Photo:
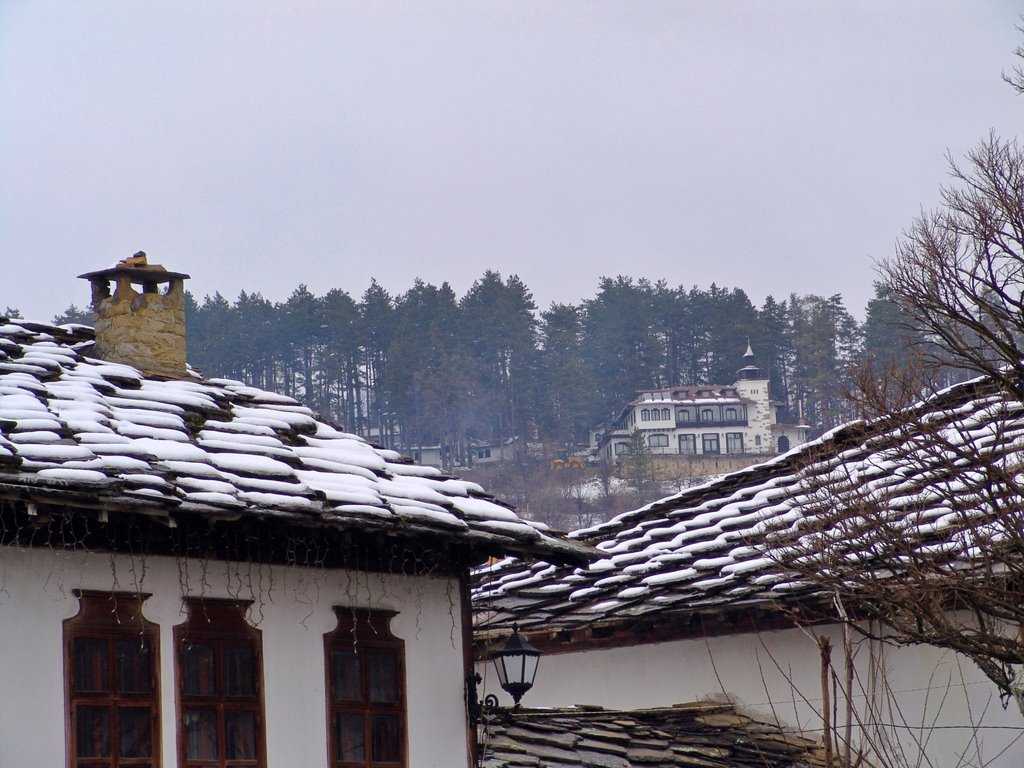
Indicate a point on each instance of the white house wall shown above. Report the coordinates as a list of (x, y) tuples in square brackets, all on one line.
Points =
[(293, 608), (777, 676)]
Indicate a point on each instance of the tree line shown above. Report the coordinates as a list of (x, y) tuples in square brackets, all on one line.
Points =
[(430, 368)]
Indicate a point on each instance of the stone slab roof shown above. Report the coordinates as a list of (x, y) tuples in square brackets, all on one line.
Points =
[(719, 549), (79, 431), (703, 735)]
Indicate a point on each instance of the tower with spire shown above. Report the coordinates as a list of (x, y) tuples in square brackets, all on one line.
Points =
[(749, 371)]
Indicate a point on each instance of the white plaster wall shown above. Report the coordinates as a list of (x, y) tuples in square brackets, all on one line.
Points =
[(777, 675), (293, 608)]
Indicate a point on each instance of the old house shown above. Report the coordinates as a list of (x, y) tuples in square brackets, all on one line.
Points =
[(194, 572), (718, 426), (717, 593)]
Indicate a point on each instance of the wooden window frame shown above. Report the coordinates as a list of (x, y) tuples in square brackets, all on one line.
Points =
[(219, 622), (111, 617), (365, 631)]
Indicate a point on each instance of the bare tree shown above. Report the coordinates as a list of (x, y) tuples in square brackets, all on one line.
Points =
[(918, 523), (920, 527), (959, 270)]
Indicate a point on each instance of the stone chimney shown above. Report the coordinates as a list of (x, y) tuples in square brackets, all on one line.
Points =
[(142, 322)]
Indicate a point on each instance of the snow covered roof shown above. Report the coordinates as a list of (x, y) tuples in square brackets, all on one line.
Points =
[(723, 549), (705, 734), (77, 431)]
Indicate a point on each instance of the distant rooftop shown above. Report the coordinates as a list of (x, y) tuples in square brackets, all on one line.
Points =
[(704, 734)]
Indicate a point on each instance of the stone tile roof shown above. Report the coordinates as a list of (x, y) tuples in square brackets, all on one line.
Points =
[(79, 431), (703, 735), (719, 548)]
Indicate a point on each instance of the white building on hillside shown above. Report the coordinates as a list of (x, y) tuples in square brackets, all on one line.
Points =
[(708, 419)]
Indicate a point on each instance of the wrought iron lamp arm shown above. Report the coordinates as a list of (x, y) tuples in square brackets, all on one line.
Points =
[(480, 710)]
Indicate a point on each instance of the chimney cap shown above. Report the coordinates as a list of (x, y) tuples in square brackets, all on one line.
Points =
[(137, 269)]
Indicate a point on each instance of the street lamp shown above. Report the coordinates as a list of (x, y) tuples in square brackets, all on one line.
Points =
[(516, 665)]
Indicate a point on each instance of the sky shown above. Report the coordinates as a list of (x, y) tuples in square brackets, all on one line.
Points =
[(775, 147)]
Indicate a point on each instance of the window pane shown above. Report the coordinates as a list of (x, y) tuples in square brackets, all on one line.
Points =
[(386, 735), (345, 678), (240, 734), (135, 732), (91, 671), (348, 738), (383, 669), (201, 734), (92, 732), (133, 666), (198, 670), (239, 670)]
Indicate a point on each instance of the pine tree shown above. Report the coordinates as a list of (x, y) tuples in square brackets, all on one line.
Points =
[(564, 378), (499, 328), (375, 332), (74, 316), (621, 343)]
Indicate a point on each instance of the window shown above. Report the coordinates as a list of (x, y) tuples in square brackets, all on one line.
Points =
[(220, 686), (711, 444), (783, 444), (112, 688), (707, 415), (730, 414), (365, 690), (657, 441), (682, 415), (483, 453), (734, 442), (645, 414), (621, 449), (666, 414), (687, 443), (757, 440)]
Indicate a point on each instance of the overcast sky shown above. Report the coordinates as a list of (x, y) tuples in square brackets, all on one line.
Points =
[(771, 146)]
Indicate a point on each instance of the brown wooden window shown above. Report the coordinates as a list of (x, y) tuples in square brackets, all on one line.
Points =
[(111, 663), (220, 687), (365, 691)]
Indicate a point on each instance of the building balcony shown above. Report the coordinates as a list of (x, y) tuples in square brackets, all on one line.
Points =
[(700, 423)]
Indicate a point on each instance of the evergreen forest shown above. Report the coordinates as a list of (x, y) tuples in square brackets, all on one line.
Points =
[(430, 368)]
